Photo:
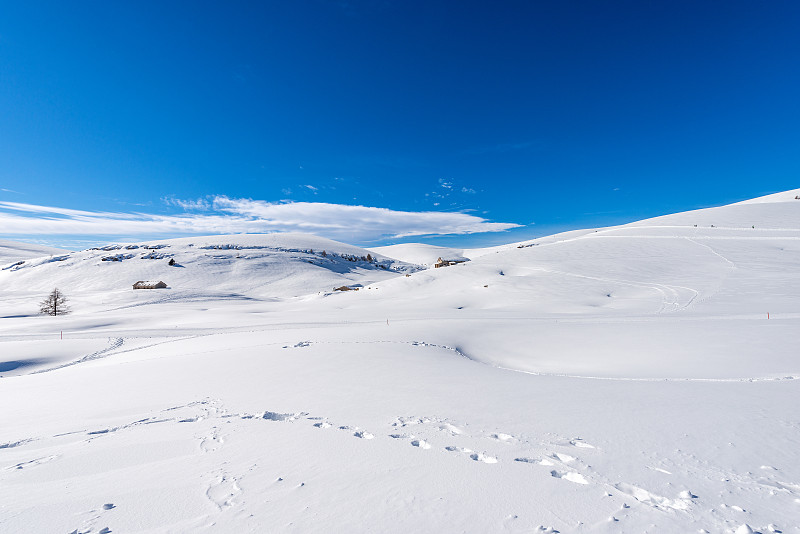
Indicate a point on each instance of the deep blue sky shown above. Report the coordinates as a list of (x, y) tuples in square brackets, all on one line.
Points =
[(562, 114)]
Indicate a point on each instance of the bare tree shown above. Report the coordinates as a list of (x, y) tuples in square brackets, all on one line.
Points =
[(54, 304)]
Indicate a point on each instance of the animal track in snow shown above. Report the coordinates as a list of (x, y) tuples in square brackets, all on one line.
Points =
[(421, 443), (323, 424), (363, 434)]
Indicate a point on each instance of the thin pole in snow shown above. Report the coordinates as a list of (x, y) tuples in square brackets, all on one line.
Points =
[(62, 334)]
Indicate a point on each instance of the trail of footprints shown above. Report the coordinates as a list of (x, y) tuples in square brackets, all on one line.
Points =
[(427, 434)]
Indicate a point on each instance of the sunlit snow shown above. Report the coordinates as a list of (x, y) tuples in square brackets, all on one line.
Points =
[(640, 378)]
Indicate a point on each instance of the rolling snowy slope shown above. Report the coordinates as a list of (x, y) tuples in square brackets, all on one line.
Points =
[(276, 265), (420, 253), (623, 379), (14, 251)]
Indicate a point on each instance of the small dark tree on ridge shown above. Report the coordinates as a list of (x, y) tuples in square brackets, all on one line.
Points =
[(54, 304)]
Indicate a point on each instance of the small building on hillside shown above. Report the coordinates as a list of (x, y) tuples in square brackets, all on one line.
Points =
[(447, 263), (149, 284), (352, 287)]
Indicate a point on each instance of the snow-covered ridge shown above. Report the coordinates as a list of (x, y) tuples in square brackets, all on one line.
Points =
[(793, 195), (274, 265)]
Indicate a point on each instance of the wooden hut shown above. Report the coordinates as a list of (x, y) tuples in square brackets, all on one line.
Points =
[(447, 263)]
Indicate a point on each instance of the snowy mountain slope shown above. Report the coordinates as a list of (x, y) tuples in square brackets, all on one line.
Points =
[(419, 253), (276, 265), (568, 303), (14, 251), (623, 379), (783, 196)]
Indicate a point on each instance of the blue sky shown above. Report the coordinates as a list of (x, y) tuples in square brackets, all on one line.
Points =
[(379, 122)]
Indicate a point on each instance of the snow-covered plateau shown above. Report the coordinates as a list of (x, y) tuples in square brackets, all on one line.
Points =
[(638, 378)]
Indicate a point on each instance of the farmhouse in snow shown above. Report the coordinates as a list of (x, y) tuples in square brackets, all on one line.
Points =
[(147, 284), (447, 263)]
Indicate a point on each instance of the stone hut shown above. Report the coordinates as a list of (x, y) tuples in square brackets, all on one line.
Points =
[(149, 284)]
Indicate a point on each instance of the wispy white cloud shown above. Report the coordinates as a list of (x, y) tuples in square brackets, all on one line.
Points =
[(200, 204), (356, 224)]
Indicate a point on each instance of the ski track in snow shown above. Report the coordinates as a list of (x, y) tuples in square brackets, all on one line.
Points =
[(116, 343), (113, 344)]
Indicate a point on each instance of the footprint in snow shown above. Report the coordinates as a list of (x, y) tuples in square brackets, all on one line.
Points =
[(474, 456), (452, 429), (222, 491), (363, 434), (211, 442), (480, 457), (421, 443), (569, 475), (274, 416), (504, 438), (323, 424), (453, 448)]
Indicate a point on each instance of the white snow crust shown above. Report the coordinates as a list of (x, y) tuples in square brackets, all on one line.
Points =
[(639, 378)]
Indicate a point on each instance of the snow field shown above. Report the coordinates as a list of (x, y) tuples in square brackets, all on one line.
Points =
[(619, 380)]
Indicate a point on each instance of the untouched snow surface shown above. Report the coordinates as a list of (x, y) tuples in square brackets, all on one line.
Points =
[(624, 379), (14, 251)]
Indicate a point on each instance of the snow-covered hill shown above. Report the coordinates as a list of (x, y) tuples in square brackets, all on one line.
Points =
[(14, 251), (420, 254), (639, 378), (274, 265)]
